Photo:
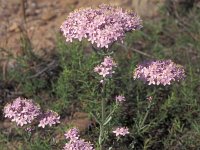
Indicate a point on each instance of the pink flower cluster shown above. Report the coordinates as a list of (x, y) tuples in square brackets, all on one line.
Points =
[(159, 72), (24, 111), (105, 69), (49, 118), (120, 99), (103, 25), (72, 134), (75, 143), (121, 131)]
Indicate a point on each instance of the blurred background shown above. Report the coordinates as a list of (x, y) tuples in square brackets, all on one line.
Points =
[(44, 17)]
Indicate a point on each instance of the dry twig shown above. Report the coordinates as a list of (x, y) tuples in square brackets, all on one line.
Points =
[(136, 50)]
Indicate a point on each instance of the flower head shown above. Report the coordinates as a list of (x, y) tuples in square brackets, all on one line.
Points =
[(102, 26), (49, 118), (75, 143), (105, 69), (121, 131), (150, 98), (120, 98), (78, 144), (159, 72), (72, 134), (22, 111)]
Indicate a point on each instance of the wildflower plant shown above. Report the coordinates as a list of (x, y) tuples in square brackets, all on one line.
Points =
[(102, 26)]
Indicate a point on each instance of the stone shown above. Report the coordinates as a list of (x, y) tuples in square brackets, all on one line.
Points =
[(147, 8), (81, 121), (48, 15)]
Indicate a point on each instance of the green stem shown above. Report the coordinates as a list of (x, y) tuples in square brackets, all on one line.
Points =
[(101, 136), (102, 129), (146, 115)]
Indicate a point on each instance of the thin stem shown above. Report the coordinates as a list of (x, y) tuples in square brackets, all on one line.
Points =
[(146, 115), (111, 113), (136, 50), (103, 110), (102, 123), (101, 136)]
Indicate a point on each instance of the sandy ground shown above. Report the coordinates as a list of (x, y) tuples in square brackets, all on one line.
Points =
[(44, 17)]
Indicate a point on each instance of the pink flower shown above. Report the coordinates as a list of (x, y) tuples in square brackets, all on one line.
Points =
[(22, 111), (102, 26), (159, 72), (150, 98), (105, 69), (121, 131), (72, 134), (49, 118), (78, 144), (120, 98), (75, 143), (29, 129)]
